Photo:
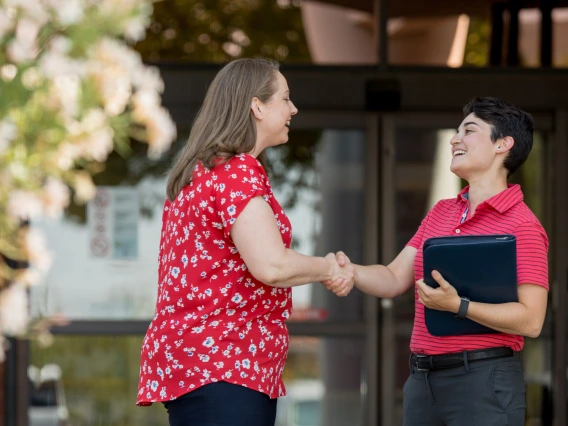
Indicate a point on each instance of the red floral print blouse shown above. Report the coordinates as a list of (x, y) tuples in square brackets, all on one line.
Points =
[(214, 321)]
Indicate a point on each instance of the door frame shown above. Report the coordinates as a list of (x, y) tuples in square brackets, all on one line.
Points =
[(557, 206)]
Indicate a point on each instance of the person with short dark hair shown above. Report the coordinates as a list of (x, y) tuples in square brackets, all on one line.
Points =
[(215, 350), (472, 380)]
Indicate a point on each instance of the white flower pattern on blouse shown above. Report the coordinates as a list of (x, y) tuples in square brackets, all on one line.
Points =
[(214, 321)]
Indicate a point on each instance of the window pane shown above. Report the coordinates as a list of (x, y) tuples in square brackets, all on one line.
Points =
[(460, 34), (105, 254), (90, 381), (538, 352), (530, 21), (290, 31), (429, 40), (318, 178), (559, 33), (423, 177), (323, 378), (105, 263), (442, 34)]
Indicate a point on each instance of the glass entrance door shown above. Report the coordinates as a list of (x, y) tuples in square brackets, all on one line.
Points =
[(415, 165), (321, 177)]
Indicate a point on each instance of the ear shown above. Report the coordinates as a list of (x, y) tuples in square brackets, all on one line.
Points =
[(256, 107), (504, 144)]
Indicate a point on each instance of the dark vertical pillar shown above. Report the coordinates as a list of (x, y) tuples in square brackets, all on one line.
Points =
[(16, 388), (513, 39), (546, 33), (559, 288), (383, 8), (3, 385), (377, 33), (10, 384), (22, 383), (496, 51)]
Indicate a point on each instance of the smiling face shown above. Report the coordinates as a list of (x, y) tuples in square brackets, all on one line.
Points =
[(473, 151), (273, 117)]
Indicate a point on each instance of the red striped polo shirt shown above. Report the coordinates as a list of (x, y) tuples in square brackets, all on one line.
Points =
[(504, 213)]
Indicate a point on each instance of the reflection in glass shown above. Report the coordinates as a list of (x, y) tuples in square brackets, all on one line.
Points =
[(537, 353), (91, 280), (530, 26), (346, 35), (100, 271), (422, 178), (47, 396), (318, 178), (340, 35), (96, 383), (339, 32), (478, 42), (323, 383), (90, 381), (430, 41), (217, 31), (559, 33)]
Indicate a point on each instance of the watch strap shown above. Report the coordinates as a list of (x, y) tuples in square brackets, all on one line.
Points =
[(462, 311)]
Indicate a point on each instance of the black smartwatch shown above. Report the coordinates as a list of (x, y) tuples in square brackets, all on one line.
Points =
[(462, 311)]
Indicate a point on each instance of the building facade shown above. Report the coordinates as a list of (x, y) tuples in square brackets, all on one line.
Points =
[(380, 88)]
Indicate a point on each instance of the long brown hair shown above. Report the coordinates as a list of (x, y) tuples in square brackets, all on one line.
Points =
[(225, 125)]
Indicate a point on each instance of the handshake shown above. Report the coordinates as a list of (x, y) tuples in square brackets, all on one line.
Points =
[(343, 274)]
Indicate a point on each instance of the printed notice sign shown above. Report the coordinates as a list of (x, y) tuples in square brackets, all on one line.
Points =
[(113, 222)]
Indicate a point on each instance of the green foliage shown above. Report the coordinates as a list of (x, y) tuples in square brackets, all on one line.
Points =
[(478, 42), (220, 30)]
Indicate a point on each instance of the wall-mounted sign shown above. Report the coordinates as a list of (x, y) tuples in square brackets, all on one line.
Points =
[(113, 223)]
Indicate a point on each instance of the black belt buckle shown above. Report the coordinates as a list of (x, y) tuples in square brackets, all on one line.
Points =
[(418, 364)]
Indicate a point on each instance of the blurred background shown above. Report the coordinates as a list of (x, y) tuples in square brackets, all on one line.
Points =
[(379, 86)]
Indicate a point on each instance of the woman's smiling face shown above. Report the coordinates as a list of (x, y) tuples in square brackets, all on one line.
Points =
[(276, 115), (473, 150)]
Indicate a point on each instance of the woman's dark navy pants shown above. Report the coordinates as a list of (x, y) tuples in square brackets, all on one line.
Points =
[(222, 404)]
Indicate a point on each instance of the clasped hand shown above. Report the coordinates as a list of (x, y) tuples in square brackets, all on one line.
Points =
[(343, 275), (443, 298)]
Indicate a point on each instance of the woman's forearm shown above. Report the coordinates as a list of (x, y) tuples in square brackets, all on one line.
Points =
[(292, 269), (512, 318), (524, 317), (378, 280), (258, 240), (388, 281)]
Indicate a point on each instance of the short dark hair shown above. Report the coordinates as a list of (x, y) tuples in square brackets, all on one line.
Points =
[(505, 120)]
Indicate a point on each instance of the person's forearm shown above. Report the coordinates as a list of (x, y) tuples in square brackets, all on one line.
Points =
[(378, 280), (292, 269), (512, 318)]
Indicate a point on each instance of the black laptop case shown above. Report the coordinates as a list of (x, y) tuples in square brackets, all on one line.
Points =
[(482, 268)]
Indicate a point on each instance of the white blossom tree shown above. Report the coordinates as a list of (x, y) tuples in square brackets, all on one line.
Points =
[(72, 89)]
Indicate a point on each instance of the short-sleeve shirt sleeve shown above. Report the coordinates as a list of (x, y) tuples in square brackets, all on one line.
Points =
[(239, 180), (532, 254), (416, 241)]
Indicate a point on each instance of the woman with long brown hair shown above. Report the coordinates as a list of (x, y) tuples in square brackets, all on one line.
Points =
[(215, 350)]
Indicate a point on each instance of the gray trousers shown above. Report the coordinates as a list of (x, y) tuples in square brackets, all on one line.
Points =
[(485, 393)]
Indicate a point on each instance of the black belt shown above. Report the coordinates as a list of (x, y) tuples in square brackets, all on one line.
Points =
[(438, 362)]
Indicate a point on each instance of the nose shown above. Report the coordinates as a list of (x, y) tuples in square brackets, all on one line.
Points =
[(455, 140), (293, 109)]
